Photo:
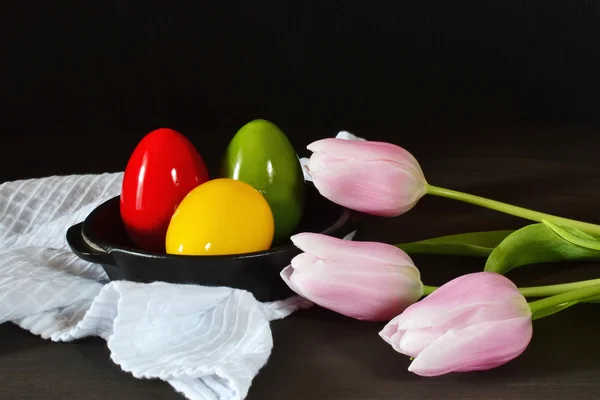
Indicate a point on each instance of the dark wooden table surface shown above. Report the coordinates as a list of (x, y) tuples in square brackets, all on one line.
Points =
[(321, 355)]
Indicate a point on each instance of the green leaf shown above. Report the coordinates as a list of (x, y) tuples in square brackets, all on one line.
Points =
[(473, 244), (574, 235), (535, 244)]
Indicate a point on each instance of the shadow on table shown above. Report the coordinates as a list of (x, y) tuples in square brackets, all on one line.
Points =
[(17, 343)]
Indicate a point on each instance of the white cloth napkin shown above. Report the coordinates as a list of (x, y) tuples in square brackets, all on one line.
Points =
[(207, 342)]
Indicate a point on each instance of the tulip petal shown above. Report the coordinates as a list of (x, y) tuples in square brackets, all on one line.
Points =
[(357, 291), (319, 161), (390, 279), (390, 330), (348, 136), (477, 347), (410, 343), (303, 261), (380, 188), (286, 276), (365, 151), (415, 341), (334, 249), (468, 299)]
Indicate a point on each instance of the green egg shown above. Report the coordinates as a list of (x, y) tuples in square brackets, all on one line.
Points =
[(261, 155)]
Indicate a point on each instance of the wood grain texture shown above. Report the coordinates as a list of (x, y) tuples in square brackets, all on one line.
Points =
[(321, 355)]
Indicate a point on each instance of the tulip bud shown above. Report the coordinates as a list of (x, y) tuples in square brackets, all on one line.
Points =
[(372, 177), (475, 322), (363, 280)]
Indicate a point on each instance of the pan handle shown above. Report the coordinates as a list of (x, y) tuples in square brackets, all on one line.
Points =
[(79, 246)]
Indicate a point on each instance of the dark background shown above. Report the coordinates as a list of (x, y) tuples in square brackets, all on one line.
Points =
[(82, 81)]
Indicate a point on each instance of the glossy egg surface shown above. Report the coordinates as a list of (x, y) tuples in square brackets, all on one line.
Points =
[(221, 216), (164, 167), (261, 155)]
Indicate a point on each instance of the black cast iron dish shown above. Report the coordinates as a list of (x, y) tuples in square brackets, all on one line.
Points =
[(101, 239)]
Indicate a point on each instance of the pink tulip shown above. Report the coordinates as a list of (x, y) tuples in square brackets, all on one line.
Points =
[(475, 322), (363, 280), (372, 177)]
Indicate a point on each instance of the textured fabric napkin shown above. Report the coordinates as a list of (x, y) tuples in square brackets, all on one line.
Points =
[(207, 342)]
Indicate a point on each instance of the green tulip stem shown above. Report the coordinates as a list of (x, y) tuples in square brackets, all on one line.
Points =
[(427, 290), (512, 210), (540, 291), (553, 290), (572, 296)]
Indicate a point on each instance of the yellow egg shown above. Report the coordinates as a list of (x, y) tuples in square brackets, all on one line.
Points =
[(221, 216)]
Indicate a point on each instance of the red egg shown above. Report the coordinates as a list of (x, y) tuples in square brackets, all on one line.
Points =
[(164, 167)]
